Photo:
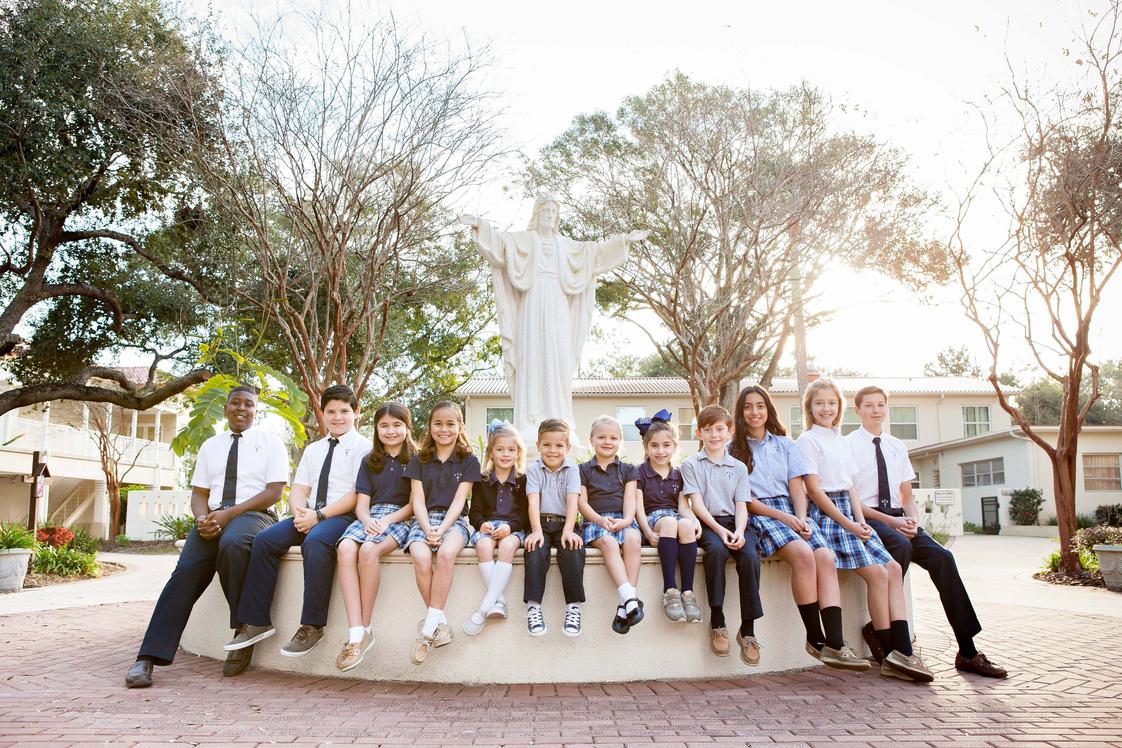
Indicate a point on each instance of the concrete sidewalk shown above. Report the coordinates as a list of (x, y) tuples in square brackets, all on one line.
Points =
[(143, 578)]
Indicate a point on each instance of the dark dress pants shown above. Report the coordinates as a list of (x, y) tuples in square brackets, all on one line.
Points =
[(318, 550), (926, 553), (228, 554), (569, 560), (747, 559)]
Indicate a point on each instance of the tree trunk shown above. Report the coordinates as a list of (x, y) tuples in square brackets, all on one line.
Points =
[(1063, 490), (113, 488)]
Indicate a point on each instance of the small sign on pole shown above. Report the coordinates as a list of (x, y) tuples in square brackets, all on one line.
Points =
[(944, 497)]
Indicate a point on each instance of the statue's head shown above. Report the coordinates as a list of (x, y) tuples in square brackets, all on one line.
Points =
[(547, 213)]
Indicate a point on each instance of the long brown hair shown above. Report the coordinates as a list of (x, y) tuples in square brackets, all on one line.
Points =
[(462, 447), (740, 448), (376, 458)]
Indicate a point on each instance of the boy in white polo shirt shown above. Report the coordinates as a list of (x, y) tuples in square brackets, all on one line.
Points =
[(322, 501), (239, 475), (883, 483)]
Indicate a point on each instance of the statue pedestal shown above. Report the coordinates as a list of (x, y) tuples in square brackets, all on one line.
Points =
[(505, 653)]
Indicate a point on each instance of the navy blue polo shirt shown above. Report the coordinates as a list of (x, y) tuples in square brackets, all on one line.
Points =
[(441, 479), (389, 486), (494, 499), (659, 492), (605, 487)]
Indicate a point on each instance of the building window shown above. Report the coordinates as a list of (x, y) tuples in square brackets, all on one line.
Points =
[(686, 424), (975, 420), (796, 422), (902, 422), (1101, 472), (850, 421), (983, 473), (503, 414), (626, 415), (936, 479), (915, 481)]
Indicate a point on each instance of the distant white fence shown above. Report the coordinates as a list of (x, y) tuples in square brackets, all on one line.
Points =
[(940, 509), (146, 507)]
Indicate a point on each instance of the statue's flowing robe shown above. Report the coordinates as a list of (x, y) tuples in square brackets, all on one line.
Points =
[(545, 307)]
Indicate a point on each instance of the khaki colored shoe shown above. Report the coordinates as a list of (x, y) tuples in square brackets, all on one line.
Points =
[(843, 659), (812, 651), (749, 649), (302, 641), (247, 635), (912, 667), (421, 648), (719, 641), (353, 653), (442, 637), (689, 604), (672, 605)]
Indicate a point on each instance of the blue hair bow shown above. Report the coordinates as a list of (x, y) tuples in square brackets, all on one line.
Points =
[(645, 423), (495, 424)]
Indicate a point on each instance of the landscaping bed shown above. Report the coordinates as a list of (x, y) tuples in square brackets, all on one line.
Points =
[(105, 569)]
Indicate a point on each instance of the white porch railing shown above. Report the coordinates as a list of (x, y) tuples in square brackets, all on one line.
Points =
[(26, 434)]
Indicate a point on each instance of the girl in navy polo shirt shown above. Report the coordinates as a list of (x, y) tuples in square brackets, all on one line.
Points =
[(441, 475), (383, 512), (665, 518), (498, 510), (607, 504), (779, 512)]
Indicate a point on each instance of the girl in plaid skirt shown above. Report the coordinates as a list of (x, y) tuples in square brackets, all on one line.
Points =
[(779, 507), (830, 471), (498, 510), (607, 504), (383, 512), (441, 475)]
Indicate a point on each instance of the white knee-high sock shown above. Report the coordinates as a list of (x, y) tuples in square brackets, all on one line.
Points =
[(500, 575), (485, 569)]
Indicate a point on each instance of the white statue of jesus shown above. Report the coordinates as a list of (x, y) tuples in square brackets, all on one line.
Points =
[(545, 291)]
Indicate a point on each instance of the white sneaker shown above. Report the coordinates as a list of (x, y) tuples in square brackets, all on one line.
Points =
[(571, 628), (535, 623), (498, 610), (474, 624)]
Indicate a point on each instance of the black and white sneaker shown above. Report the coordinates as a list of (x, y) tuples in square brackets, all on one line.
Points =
[(535, 623), (572, 622)]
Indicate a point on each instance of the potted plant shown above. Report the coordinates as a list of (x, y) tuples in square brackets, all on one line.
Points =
[(16, 543)]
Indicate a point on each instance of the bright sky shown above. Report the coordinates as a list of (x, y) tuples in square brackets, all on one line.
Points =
[(912, 68)]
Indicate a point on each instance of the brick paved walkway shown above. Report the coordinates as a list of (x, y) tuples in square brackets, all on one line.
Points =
[(61, 684)]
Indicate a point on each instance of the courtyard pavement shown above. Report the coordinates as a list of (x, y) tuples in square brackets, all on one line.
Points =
[(64, 651)]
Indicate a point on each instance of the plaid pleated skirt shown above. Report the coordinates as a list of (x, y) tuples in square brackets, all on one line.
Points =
[(771, 534), (399, 531), (417, 534), (849, 550), (590, 532), (657, 514), (495, 523)]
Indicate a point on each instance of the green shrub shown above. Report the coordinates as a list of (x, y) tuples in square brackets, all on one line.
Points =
[(64, 562), (1109, 514), (940, 537), (1051, 521), (1087, 560), (1086, 539), (171, 527), (970, 527), (84, 542), (1024, 506), (1052, 563), (15, 535), (1083, 521), (122, 539)]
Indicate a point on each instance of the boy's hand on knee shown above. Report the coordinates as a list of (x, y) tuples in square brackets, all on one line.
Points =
[(571, 541), (533, 540)]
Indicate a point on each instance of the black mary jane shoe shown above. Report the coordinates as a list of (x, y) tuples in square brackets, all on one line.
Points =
[(619, 623), (636, 615), (139, 675)]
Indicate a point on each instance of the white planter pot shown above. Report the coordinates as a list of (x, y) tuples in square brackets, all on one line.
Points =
[(13, 568), (1110, 564)]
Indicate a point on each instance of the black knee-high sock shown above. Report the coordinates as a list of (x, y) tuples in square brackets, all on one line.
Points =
[(747, 628), (884, 636), (810, 616), (668, 556), (716, 616), (687, 562), (832, 624), (966, 647), (901, 638)]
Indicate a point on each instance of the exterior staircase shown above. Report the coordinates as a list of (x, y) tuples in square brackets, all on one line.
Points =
[(75, 504)]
